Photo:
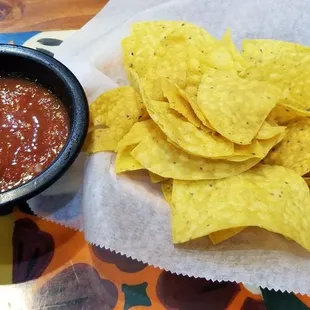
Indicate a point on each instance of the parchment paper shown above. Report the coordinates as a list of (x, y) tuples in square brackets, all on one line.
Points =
[(128, 214)]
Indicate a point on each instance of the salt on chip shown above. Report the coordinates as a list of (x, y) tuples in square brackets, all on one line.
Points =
[(293, 151), (222, 235), (159, 156), (278, 200), (166, 188), (185, 135), (124, 160), (236, 107)]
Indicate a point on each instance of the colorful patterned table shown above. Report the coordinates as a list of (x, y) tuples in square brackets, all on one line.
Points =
[(46, 266)]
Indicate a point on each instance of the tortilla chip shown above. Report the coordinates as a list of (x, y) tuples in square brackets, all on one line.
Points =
[(268, 131), (284, 64), (102, 139), (307, 179), (138, 131), (283, 114), (222, 235), (277, 193), (235, 107), (185, 135), (159, 156), (111, 116), (140, 48), (156, 178), (224, 55), (118, 107), (240, 63), (294, 150), (192, 100), (166, 188), (178, 103), (124, 160)]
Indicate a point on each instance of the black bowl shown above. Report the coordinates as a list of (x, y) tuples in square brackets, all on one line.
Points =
[(47, 71)]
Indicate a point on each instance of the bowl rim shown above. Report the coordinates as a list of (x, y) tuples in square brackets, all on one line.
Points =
[(78, 129)]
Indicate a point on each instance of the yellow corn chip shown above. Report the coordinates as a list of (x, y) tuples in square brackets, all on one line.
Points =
[(124, 160), (102, 139), (257, 149), (193, 102), (192, 99), (225, 56), (166, 188), (134, 82), (178, 103), (159, 156), (198, 208), (307, 179), (262, 50), (269, 59), (179, 55), (267, 131), (284, 64), (185, 134), (294, 150), (282, 114), (140, 48), (155, 178), (111, 116), (138, 131), (240, 64), (189, 45), (235, 107), (222, 235), (120, 106)]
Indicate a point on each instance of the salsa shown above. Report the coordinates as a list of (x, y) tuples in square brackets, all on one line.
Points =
[(34, 127)]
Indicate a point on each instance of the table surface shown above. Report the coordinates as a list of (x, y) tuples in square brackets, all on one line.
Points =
[(43, 15)]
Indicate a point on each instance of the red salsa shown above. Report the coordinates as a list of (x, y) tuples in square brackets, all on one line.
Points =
[(34, 127)]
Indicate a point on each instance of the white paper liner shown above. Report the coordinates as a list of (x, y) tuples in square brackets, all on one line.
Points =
[(129, 215)]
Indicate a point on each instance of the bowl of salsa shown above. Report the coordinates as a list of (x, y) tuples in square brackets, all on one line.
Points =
[(43, 122)]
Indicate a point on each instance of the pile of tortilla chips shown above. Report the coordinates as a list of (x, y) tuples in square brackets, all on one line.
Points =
[(224, 132)]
